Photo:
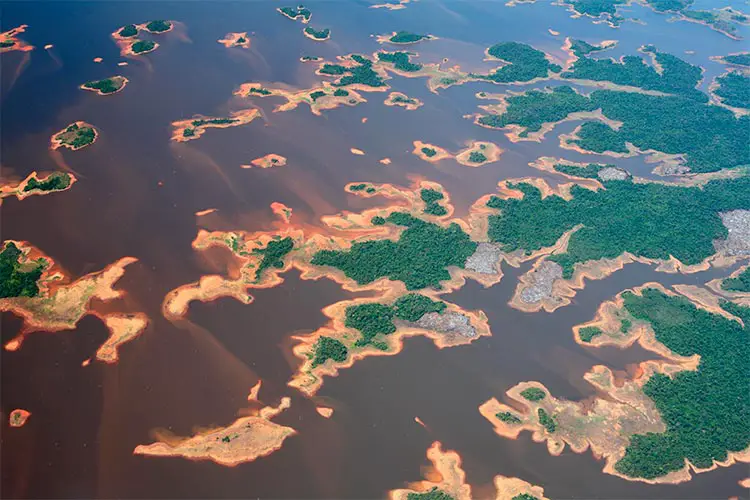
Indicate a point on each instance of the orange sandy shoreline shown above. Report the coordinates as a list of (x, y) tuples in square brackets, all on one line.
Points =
[(18, 190)]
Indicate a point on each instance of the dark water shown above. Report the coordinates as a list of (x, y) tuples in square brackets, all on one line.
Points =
[(86, 421)]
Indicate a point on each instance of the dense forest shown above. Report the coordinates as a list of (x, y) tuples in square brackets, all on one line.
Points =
[(400, 60), (706, 411), (15, 282), (433, 494), (106, 86), (648, 220), (419, 258), (54, 182), (329, 348), (431, 198), (273, 254), (739, 284), (525, 63), (406, 37), (318, 34), (142, 46), (158, 26), (734, 89)]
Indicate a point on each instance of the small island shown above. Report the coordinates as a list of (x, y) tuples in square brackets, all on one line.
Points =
[(9, 40), (75, 136), (318, 98), (300, 12), (476, 154), (236, 40), (305, 59), (18, 417), (245, 440), (399, 99), (404, 38), (187, 130), (140, 47), (38, 185), (107, 86), (270, 160), (157, 27), (740, 59), (127, 31), (430, 152), (317, 35)]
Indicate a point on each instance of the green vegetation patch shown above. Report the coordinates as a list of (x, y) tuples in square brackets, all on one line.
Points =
[(357, 187), (273, 254), (128, 31), (214, 121), (318, 34), (534, 108), (317, 95), (259, 90), (361, 74), (587, 333), (738, 59), (599, 138), (7, 43), (295, 12), (533, 394), (419, 258), (159, 26), (734, 89), (508, 417), (677, 76), (377, 221), (429, 152), (56, 181), (404, 100), (341, 93), (525, 63), (598, 8), (142, 46), (524, 496), (710, 137), (106, 86), (400, 60), (590, 171), (655, 221), (406, 37), (18, 280), (375, 319), (582, 47), (188, 132), (433, 494), (546, 420), (706, 411), (76, 137), (739, 284), (329, 348), (477, 157), (431, 198)]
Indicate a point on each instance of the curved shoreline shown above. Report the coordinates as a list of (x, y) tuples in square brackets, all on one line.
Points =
[(20, 192)]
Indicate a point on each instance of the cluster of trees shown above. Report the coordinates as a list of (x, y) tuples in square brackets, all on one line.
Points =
[(590, 171), (341, 93), (655, 221), (159, 26), (734, 89), (710, 137), (739, 284), (405, 100), (273, 254), (318, 34), (406, 37), (508, 417), (533, 394), (128, 31), (259, 90), (419, 258), (546, 420), (431, 198), (77, 136), (316, 95), (534, 108), (329, 348), (433, 494), (15, 282), (525, 63), (54, 182), (582, 47), (596, 8), (214, 121), (295, 12), (706, 411), (400, 60), (524, 496), (477, 157), (677, 76), (142, 46), (738, 59), (429, 152), (188, 132), (362, 74), (599, 138), (106, 86), (587, 333), (7, 43), (374, 319)]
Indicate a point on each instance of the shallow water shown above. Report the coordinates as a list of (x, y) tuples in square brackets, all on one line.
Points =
[(86, 421)]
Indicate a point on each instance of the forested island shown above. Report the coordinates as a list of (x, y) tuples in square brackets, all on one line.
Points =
[(38, 185), (106, 86), (75, 136), (236, 40), (404, 38), (300, 12), (317, 35), (187, 130)]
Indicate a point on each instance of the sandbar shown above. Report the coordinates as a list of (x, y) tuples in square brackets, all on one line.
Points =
[(12, 36), (245, 440), (235, 40), (268, 161), (18, 417), (444, 474), (324, 411)]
